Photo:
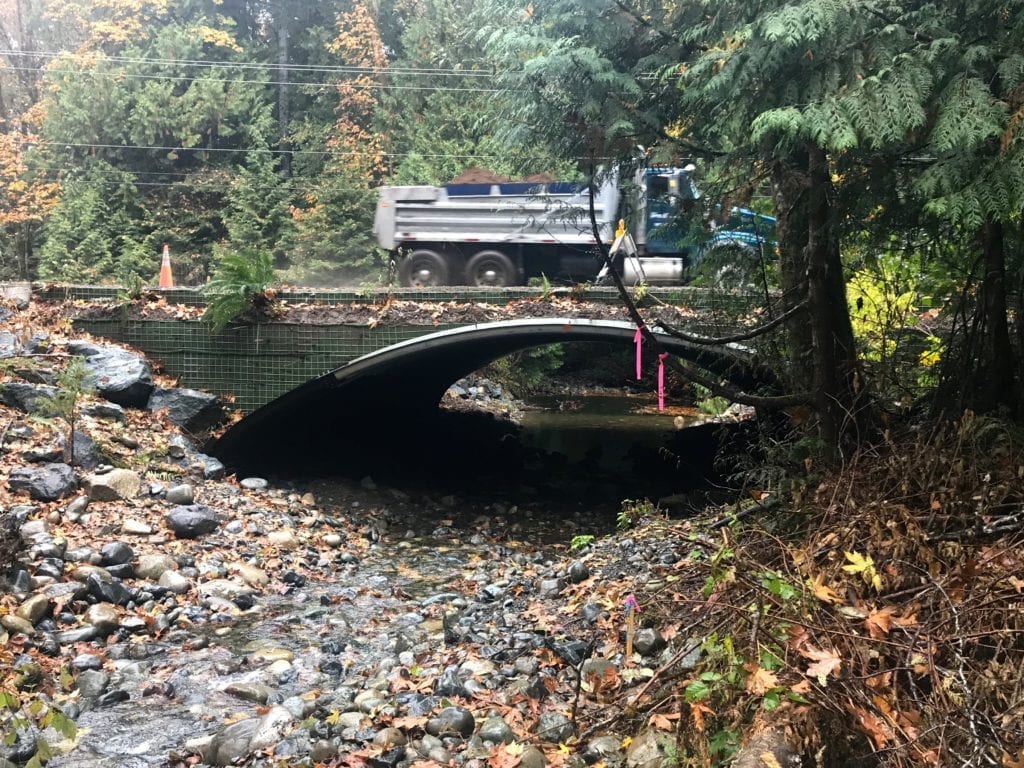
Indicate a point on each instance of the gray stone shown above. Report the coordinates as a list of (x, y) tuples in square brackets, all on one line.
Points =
[(116, 553), (224, 589), (84, 661), (451, 720), (213, 469), (270, 728), (28, 398), (108, 411), (578, 571), (390, 737), (254, 484), (550, 587), (154, 566), (188, 408), (76, 508), (86, 454), (46, 483), (10, 346), (496, 731), (607, 747), (102, 617), (16, 624), (646, 750), (192, 521), (174, 582), (79, 635), (258, 694), (113, 485), (108, 590), (231, 743), (181, 494), (33, 609), (532, 758), (92, 683), (118, 375), (554, 726), (648, 641), (135, 527), (450, 684)]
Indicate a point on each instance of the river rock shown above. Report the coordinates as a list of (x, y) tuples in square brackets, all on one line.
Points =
[(496, 731), (84, 661), (231, 743), (118, 375), (181, 494), (85, 454), (76, 508), (81, 634), (225, 589), (648, 641), (390, 737), (451, 720), (174, 582), (607, 748), (450, 684), (113, 485), (254, 484), (192, 521), (33, 609), (251, 575), (102, 617), (28, 398), (10, 346), (646, 750), (532, 758), (16, 625), (554, 726), (283, 539), (263, 655), (116, 553), (107, 411), (154, 566), (188, 408), (258, 694), (578, 571), (92, 683), (135, 527), (550, 587), (108, 590), (46, 483)]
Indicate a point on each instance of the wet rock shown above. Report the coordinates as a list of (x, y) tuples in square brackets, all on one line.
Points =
[(648, 641), (28, 398), (18, 581), (118, 375), (230, 743), (116, 553), (254, 484), (181, 494), (135, 527), (264, 655), (46, 483), (250, 574), (450, 684), (110, 698), (86, 661), (451, 720), (16, 624), (324, 750), (188, 408), (107, 411), (102, 618), (174, 582), (108, 591), (33, 609), (607, 748), (646, 750), (92, 683), (76, 508), (113, 485), (154, 566), (496, 731), (550, 587), (532, 758), (192, 521), (578, 571), (80, 635), (225, 589), (554, 726), (390, 737), (258, 694)]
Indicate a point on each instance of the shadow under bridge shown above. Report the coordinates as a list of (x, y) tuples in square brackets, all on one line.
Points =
[(380, 412)]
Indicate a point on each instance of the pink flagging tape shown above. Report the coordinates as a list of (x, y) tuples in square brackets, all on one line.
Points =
[(661, 380), (638, 339)]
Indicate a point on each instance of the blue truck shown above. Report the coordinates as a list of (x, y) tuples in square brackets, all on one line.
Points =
[(503, 234)]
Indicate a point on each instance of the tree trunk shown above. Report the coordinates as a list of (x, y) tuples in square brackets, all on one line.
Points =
[(837, 390), (996, 385), (789, 189)]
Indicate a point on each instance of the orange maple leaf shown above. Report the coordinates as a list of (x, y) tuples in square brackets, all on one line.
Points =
[(823, 663), (879, 622)]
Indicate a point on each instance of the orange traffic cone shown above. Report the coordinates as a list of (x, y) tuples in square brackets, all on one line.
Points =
[(166, 278)]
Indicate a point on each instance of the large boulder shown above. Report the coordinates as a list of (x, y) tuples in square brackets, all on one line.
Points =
[(118, 375), (113, 485), (46, 483), (188, 408), (28, 398)]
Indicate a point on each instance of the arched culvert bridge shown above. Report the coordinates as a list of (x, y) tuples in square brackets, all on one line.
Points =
[(381, 411)]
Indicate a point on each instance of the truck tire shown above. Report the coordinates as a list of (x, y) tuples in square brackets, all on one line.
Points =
[(492, 269), (423, 269)]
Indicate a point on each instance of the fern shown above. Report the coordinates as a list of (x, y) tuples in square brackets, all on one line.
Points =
[(240, 286)]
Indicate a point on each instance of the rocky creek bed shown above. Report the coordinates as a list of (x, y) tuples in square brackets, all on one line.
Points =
[(178, 616)]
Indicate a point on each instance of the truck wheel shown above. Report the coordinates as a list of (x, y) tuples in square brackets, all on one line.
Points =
[(491, 268), (423, 269)]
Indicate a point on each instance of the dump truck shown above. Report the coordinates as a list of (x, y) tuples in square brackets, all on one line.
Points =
[(504, 234)]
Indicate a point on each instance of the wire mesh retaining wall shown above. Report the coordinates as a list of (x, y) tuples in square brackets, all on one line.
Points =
[(690, 296), (253, 364)]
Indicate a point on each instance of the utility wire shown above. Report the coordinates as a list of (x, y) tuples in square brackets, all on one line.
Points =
[(243, 81), (315, 68)]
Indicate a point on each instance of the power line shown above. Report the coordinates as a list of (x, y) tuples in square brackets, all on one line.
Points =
[(316, 68), (243, 81)]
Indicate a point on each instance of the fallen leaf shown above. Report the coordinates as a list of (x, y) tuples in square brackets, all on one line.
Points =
[(878, 731), (663, 722), (761, 681), (822, 591), (879, 622), (824, 663)]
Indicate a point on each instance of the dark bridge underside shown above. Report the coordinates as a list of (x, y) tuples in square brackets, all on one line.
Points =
[(382, 408)]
